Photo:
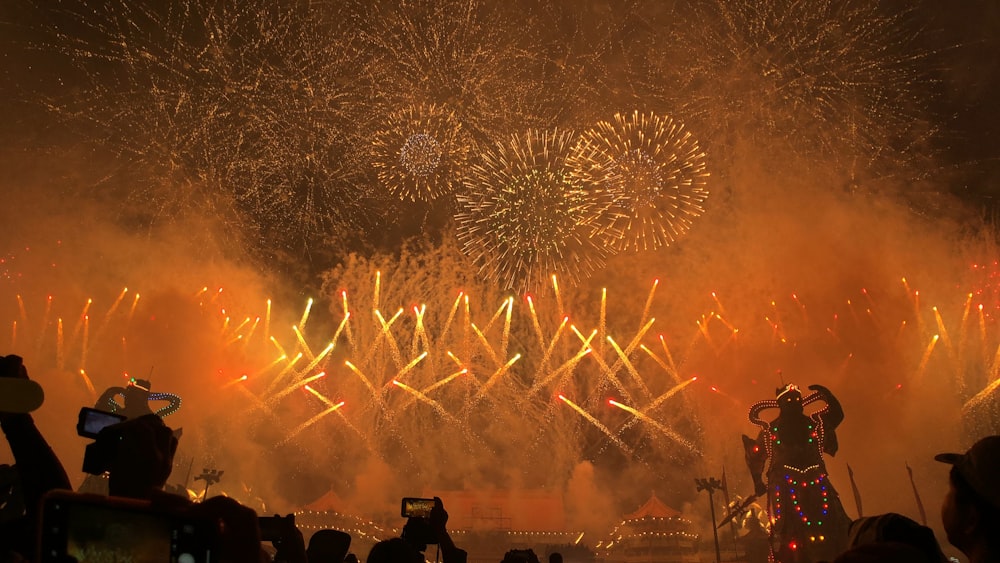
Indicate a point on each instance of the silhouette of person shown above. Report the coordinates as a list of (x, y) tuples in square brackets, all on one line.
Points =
[(896, 528), (417, 533), (971, 509), (328, 546), (137, 453), (36, 470)]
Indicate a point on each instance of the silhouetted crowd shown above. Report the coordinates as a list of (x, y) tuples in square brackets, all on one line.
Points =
[(42, 520)]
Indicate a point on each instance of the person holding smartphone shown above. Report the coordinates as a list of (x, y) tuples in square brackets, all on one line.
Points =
[(418, 532)]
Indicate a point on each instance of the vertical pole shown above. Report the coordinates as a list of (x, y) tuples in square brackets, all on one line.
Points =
[(711, 484), (715, 532)]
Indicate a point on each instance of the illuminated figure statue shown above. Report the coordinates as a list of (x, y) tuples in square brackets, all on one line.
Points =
[(808, 521), (135, 399)]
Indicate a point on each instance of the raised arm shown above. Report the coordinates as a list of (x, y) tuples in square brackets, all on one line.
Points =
[(38, 468), (831, 416)]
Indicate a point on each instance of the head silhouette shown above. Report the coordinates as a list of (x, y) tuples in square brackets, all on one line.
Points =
[(328, 546), (395, 550), (136, 396), (789, 399)]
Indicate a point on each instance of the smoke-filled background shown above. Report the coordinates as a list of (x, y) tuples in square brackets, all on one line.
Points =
[(271, 210)]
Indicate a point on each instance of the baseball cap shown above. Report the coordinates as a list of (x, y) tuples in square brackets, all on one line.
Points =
[(979, 467)]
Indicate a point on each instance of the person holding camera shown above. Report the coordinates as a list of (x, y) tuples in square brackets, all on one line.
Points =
[(138, 456), (418, 532)]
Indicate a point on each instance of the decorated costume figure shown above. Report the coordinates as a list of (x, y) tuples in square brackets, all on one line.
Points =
[(135, 399), (808, 522)]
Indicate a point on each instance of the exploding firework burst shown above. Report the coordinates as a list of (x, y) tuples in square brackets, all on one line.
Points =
[(826, 78), (524, 216), (421, 153), (234, 102), (458, 53), (656, 171)]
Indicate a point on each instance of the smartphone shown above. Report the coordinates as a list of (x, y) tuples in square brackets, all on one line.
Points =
[(96, 529), (91, 421), (416, 507)]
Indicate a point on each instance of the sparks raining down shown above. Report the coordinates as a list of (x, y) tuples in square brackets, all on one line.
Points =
[(232, 106), (821, 78), (656, 171), (525, 217), (421, 153), (986, 286)]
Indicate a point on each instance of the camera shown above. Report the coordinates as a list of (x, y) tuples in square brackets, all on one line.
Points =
[(98, 455), (275, 528), (96, 528), (416, 507), (91, 421)]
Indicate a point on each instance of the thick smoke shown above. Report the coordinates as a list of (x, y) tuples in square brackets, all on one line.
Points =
[(590, 507), (843, 257)]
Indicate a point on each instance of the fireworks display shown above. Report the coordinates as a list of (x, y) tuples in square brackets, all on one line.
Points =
[(392, 383), (464, 380), (421, 154), (837, 79), (656, 171), (457, 53), (232, 105), (430, 229), (269, 116), (525, 217)]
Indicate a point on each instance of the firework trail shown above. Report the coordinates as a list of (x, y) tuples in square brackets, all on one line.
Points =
[(421, 154), (459, 379), (525, 217), (656, 171)]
